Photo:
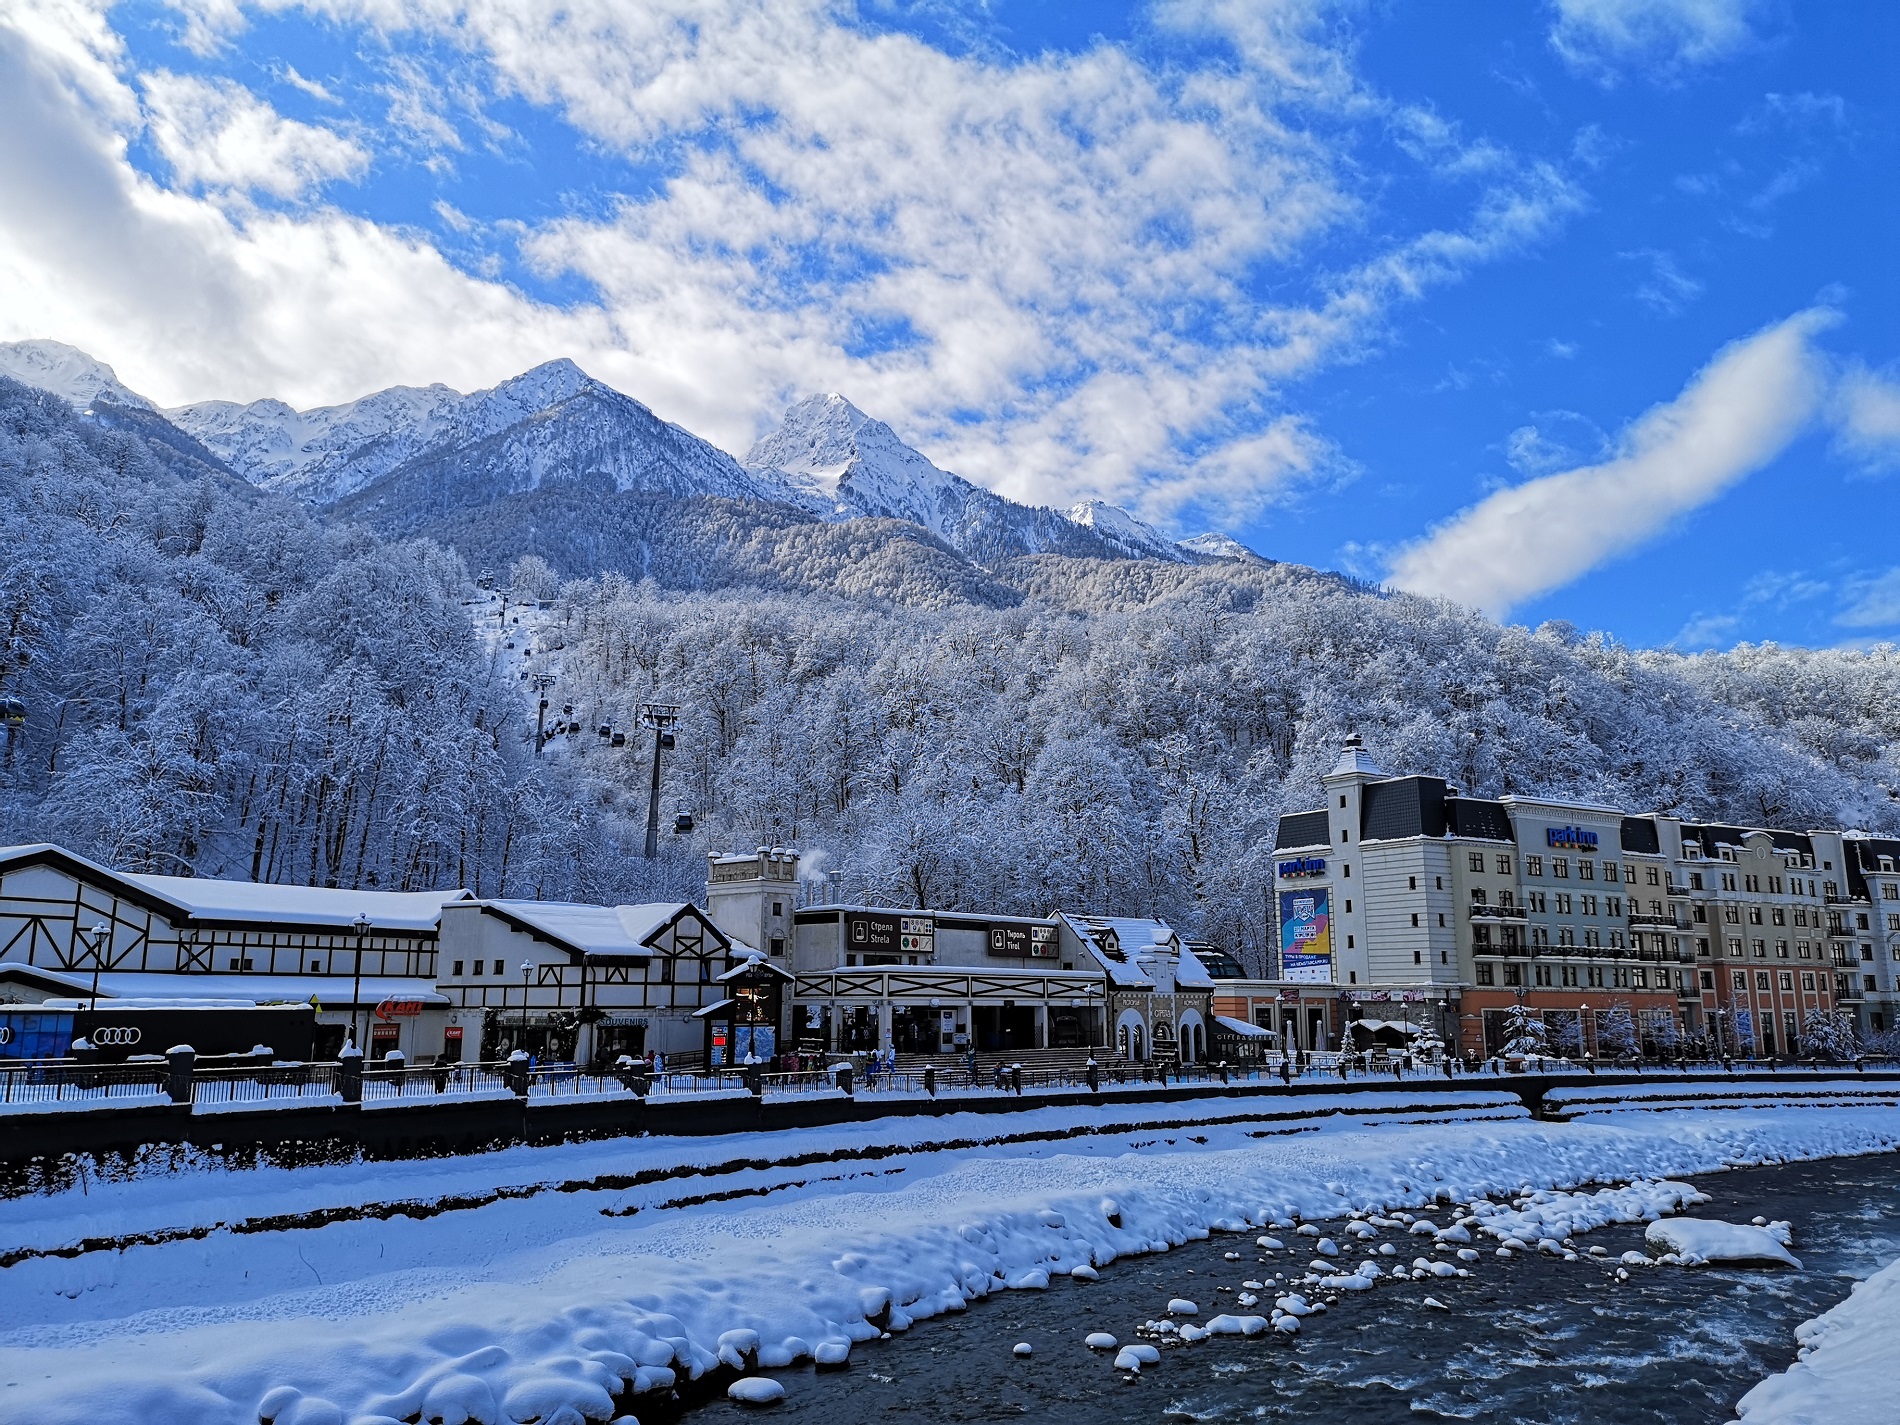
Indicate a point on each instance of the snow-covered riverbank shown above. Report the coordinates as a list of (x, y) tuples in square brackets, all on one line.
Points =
[(554, 1302), (1845, 1374)]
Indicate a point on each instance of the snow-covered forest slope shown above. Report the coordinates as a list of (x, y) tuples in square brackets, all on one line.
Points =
[(220, 680)]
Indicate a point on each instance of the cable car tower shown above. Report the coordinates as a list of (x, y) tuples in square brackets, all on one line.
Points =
[(660, 717)]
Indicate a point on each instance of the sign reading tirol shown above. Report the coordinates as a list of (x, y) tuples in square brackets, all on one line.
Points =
[(1024, 942)]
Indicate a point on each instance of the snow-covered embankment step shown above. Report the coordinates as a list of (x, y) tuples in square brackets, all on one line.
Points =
[(1844, 1375)]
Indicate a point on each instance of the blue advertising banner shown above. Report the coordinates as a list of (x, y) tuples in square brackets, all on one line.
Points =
[(1306, 937)]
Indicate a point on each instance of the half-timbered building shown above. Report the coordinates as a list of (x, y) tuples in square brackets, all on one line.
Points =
[(586, 982), (363, 958)]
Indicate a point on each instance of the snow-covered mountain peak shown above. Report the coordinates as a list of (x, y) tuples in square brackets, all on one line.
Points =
[(1215, 545), (1123, 530), (67, 372), (846, 463)]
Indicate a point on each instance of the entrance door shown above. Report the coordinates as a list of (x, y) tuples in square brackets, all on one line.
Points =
[(382, 1039)]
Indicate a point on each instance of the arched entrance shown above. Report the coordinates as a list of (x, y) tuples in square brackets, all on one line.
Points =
[(1193, 1035), (1130, 1036)]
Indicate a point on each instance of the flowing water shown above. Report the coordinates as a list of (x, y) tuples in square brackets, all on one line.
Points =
[(1532, 1339)]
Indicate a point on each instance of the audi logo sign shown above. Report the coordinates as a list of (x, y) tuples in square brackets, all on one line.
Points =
[(118, 1034)]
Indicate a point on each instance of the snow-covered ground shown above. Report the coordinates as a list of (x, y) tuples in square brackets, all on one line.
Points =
[(566, 1279), (1845, 1373)]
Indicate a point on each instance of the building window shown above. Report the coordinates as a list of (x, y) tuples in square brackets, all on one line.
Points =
[(1708, 979), (1594, 974), (1441, 920), (1513, 975), (1589, 905), (1415, 920), (1533, 865), (1654, 879), (1417, 958), (1504, 868), (1560, 867), (1639, 978), (1807, 980), (1695, 880), (1348, 907), (1570, 976), (1609, 871), (778, 944), (1349, 942), (1539, 902), (1754, 915), (1438, 883), (1779, 916), (456, 972), (778, 908), (1563, 903), (1761, 981), (1761, 949), (1542, 975), (705, 972), (1787, 980), (1411, 883), (1702, 946), (666, 969), (1593, 938), (1485, 975), (1476, 860)]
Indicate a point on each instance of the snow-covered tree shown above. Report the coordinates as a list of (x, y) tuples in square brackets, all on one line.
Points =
[(1524, 1030), (1616, 1032), (1830, 1035)]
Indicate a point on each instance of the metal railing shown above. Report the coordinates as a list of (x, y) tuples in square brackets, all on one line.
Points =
[(264, 1085), (433, 1080), (53, 1081)]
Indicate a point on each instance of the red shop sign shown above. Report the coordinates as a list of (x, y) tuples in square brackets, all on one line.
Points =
[(399, 1009)]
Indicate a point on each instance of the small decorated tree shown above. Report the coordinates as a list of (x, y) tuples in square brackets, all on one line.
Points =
[(1524, 1032)]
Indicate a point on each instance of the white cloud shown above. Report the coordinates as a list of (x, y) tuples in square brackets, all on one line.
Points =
[(1604, 36), (1559, 439), (1867, 416), (1738, 413), (1876, 602), (1070, 245), (1668, 289), (218, 135)]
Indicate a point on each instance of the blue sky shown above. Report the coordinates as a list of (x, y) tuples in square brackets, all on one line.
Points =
[(1582, 310)]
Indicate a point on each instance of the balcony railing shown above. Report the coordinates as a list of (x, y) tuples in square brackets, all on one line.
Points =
[(1668, 922), (1511, 914), (1587, 952)]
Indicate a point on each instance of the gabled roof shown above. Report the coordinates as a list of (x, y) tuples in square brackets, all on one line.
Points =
[(601, 931), (204, 901), (751, 962)]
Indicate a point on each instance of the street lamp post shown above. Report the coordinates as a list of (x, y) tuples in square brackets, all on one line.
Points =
[(362, 927), (527, 970), (100, 934)]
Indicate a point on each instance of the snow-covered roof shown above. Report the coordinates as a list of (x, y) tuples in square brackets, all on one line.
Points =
[(1191, 972), (42, 978), (751, 961), (1397, 1026), (330, 991), (1119, 946), (1353, 758), (1242, 1028), (207, 899), (594, 929)]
